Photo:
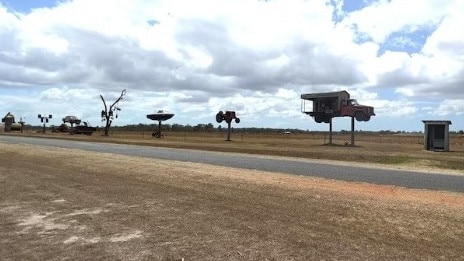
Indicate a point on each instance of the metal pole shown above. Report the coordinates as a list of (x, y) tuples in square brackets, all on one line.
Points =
[(330, 131), (159, 129), (228, 131), (352, 131)]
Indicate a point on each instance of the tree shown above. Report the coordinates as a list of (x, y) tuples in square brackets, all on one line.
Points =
[(209, 127), (108, 114)]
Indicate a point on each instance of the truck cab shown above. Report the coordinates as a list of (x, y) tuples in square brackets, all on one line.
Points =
[(352, 108)]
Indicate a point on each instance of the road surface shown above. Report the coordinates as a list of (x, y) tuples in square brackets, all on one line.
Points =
[(408, 179)]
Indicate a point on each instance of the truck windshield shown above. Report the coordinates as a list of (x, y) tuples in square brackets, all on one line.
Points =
[(354, 102)]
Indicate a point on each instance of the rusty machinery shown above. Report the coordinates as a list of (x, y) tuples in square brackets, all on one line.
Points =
[(228, 116), (11, 125)]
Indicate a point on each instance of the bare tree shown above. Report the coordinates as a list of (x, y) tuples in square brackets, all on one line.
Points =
[(108, 114)]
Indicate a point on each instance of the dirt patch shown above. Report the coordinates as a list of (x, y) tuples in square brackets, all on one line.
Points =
[(61, 204)]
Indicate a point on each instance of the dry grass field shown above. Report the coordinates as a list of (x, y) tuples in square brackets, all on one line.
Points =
[(62, 204)]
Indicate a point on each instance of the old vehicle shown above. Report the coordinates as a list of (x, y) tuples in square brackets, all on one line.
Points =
[(228, 116), (72, 120), (62, 128), (83, 128), (327, 105), (77, 126)]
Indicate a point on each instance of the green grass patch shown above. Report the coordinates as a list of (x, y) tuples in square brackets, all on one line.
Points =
[(450, 164), (394, 160)]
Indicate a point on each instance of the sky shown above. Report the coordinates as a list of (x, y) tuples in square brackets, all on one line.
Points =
[(196, 58)]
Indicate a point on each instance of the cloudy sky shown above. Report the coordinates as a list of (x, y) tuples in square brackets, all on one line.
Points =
[(403, 57)]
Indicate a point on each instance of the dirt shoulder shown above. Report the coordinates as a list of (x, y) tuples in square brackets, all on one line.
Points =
[(61, 204)]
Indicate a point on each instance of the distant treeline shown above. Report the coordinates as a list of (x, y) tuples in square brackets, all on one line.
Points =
[(207, 127)]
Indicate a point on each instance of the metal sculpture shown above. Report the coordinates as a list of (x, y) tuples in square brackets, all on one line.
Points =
[(44, 119), (228, 116), (11, 125), (160, 116), (72, 120), (327, 105), (77, 126)]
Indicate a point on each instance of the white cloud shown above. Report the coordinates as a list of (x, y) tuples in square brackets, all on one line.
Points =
[(405, 91), (382, 18), (450, 107), (395, 109), (255, 57)]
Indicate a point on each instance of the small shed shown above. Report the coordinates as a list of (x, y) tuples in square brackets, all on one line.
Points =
[(436, 135)]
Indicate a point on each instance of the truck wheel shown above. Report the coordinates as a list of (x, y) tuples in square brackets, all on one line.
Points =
[(367, 118), (237, 120), (318, 118), (219, 117)]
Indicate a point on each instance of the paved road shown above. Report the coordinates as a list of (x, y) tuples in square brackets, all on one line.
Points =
[(433, 181)]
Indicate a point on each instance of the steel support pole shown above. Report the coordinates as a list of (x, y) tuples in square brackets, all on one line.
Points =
[(352, 131), (228, 131), (330, 131)]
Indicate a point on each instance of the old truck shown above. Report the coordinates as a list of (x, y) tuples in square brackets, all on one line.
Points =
[(327, 105), (83, 128), (77, 126)]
